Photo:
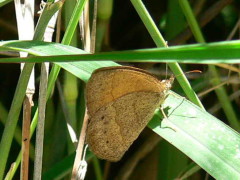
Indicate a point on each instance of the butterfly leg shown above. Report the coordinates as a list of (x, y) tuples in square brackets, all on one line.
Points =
[(165, 117)]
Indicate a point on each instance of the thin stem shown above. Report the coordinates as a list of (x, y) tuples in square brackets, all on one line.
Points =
[(27, 105), (73, 22), (12, 119), (160, 42), (192, 21), (20, 94), (87, 47), (220, 92), (41, 121), (79, 152)]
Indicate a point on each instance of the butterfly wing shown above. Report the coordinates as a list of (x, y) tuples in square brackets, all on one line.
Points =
[(108, 84), (114, 127)]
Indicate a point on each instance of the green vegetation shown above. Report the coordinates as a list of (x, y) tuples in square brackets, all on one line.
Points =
[(198, 138)]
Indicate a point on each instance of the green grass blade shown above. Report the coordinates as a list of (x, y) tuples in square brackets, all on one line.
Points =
[(19, 95), (49, 10), (160, 42), (12, 118), (189, 128), (221, 92), (203, 138), (149, 23), (224, 100), (211, 53), (175, 67), (192, 21), (209, 142), (80, 69), (73, 22)]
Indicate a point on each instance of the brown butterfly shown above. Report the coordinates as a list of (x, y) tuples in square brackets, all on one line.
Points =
[(121, 100)]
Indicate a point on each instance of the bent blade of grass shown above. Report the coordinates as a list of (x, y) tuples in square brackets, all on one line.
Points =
[(160, 42), (209, 142), (221, 52), (84, 70), (203, 138), (11, 123), (221, 91), (206, 140)]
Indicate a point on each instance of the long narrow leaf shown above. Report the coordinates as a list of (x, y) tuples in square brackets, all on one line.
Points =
[(209, 142), (221, 52)]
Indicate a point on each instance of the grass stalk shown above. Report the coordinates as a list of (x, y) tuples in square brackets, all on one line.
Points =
[(160, 42), (12, 119), (220, 92), (19, 95), (7, 138), (41, 121)]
